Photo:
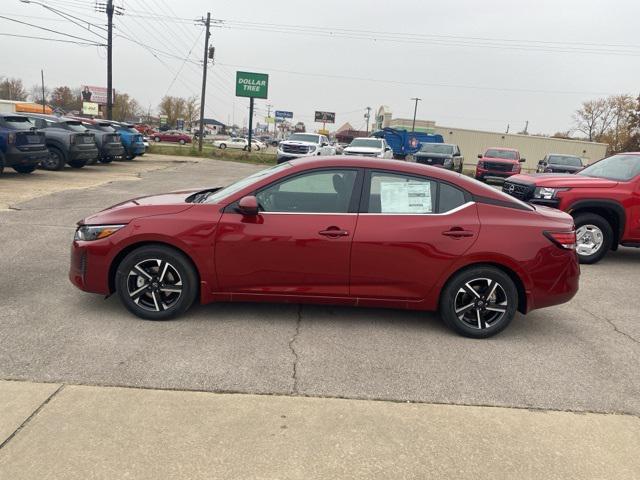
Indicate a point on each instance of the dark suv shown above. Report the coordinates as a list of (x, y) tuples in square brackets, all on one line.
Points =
[(107, 139), (21, 147), (560, 163), (603, 199), (68, 141), (444, 155)]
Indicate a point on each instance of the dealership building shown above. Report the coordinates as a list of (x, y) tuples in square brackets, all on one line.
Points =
[(473, 142)]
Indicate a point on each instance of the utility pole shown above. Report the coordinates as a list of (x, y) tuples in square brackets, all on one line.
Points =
[(415, 111), (204, 80), (367, 116), (269, 107), (526, 128), (43, 102), (109, 59)]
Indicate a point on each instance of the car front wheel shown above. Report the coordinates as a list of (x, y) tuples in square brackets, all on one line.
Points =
[(156, 282), (594, 236), (223, 146), (479, 302)]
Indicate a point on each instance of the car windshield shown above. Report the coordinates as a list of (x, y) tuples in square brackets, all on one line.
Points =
[(619, 167), (506, 154), (240, 184), (76, 126), (17, 123), (567, 160), (304, 137), (437, 148), (366, 142)]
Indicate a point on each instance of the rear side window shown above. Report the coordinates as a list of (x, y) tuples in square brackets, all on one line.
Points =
[(450, 197), (397, 194)]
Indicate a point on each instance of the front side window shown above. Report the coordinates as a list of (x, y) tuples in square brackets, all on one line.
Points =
[(397, 193), (322, 191)]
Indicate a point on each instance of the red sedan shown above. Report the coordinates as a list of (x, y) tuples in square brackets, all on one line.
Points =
[(174, 136), (348, 231)]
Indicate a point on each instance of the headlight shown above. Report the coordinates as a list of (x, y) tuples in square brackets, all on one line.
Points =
[(448, 161), (87, 233), (547, 193), (313, 148)]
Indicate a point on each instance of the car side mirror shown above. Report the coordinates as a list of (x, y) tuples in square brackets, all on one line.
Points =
[(387, 149), (479, 155), (522, 160), (248, 206), (324, 144)]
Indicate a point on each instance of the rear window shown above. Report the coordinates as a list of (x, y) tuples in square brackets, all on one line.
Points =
[(506, 154), (17, 123), (76, 126)]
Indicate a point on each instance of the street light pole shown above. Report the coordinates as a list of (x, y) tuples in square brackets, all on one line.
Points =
[(367, 116), (415, 111)]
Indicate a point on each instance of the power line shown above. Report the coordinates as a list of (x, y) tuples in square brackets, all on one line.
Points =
[(52, 39), (47, 29)]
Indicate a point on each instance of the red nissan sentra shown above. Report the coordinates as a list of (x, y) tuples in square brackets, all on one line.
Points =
[(345, 231)]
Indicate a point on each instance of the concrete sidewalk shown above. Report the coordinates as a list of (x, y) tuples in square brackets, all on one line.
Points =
[(50, 431)]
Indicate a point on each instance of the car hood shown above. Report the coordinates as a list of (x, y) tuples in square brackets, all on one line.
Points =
[(362, 150), (164, 204), (563, 180), (296, 142)]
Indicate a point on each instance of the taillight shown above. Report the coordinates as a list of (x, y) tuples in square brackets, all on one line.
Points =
[(73, 139), (566, 240), (11, 138)]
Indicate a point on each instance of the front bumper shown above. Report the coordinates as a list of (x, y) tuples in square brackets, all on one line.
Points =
[(484, 173), (16, 157)]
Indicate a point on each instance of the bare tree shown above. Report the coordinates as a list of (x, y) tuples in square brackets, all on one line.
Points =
[(35, 94), (125, 108), (12, 89), (593, 118)]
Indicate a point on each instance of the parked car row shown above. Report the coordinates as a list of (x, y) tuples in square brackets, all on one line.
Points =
[(29, 141)]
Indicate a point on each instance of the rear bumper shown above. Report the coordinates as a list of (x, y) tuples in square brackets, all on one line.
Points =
[(112, 150), (135, 148), (83, 153), (24, 158), (555, 283)]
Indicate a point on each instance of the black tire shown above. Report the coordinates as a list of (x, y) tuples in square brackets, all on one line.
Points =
[(223, 146), (1, 163), (77, 163), (245, 148), (596, 222), (56, 161), (24, 169), (106, 159), (456, 295), (180, 267)]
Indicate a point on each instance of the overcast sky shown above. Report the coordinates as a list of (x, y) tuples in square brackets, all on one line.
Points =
[(568, 51)]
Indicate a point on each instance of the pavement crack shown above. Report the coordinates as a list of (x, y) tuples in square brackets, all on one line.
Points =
[(613, 325), (33, 414), (296, 357)]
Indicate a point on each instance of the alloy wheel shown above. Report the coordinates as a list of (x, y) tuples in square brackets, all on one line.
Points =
[(154, 285), (589, 239), (481, 303)]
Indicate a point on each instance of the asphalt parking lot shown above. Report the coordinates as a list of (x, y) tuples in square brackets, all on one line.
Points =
[(581, 356)]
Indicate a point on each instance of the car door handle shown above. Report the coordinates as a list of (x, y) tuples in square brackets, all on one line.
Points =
[(333, 232), (457, 232)]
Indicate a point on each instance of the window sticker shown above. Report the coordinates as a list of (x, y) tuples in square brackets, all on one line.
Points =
[(405, 197)]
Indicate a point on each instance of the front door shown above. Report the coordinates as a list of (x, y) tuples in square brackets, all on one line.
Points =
[(299, 243), (410, 231)]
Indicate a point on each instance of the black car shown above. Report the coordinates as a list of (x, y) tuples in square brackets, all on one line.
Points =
[(560, 163), (444, 155), (21, 147)]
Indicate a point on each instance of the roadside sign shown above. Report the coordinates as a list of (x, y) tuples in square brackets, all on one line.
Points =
[(269, 120), (283, 114), (163, 119), (90, 108), (180, 123), (253, 85), (325, 117)]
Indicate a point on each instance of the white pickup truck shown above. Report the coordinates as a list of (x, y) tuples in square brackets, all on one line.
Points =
[(304, 145)]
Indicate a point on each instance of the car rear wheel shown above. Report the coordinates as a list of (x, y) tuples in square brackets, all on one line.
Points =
[(223, 146), (55, 160), (157, 139), (181, 141), (479, 302), (1, 163), (24, 169), (156, 283), (594, 237)]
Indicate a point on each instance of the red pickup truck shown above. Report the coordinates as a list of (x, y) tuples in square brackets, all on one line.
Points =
[(604, 200), (498, 162)]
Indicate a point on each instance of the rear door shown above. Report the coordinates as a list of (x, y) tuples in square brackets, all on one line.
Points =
[(299, 243), (410, 230)]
